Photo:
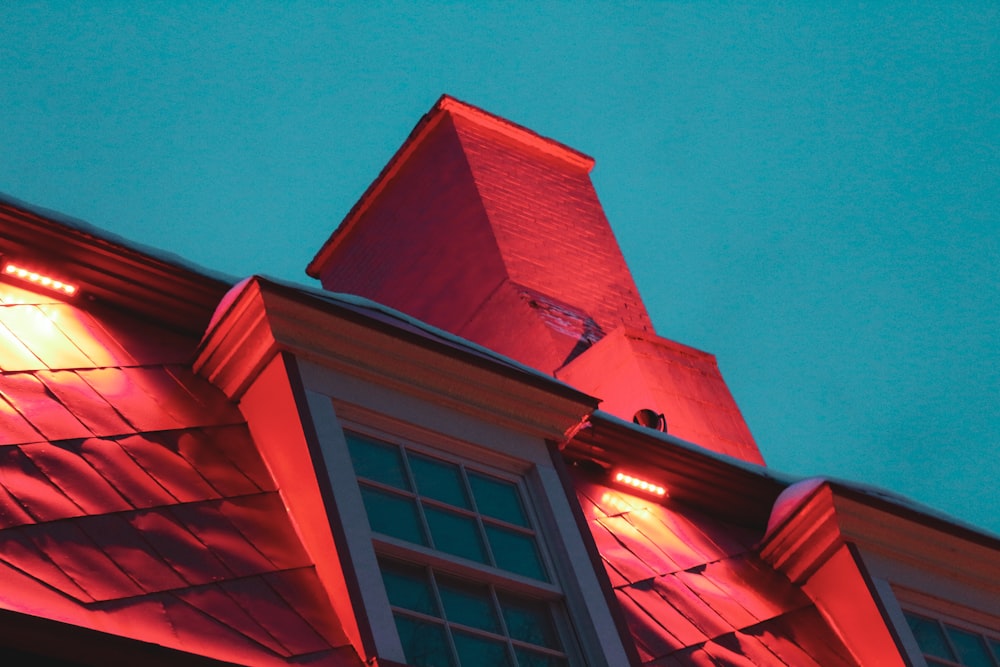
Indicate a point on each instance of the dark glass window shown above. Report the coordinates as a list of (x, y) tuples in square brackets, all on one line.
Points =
[(945, 644), (485, 597), (447, 506), (379, 462), (393, 515), (498, 499), (446, 620), (439, 480)]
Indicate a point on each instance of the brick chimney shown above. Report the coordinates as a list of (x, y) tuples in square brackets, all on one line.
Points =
[(487, 230)]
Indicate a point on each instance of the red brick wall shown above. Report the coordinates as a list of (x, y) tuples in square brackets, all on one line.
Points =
[(491, 232), (469, 212), (424, 245), (551, 229)]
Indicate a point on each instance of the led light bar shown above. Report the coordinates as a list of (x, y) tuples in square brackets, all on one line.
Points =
[(40, 279), (640, 484)]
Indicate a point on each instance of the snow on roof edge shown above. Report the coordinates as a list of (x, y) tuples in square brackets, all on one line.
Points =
[(100, 234), (368, 307), (754, 468), (801, 486)]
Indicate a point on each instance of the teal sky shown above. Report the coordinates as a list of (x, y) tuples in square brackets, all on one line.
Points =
[(811, 193)]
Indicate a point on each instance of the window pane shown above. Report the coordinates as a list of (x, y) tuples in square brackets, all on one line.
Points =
[(409, 588), (424, 644), (455, 534), (468, 604), (393, 515), (498, 499), (439, 480), (474, 651), (377, 461), (526, 658), (929, 636), (971, 648), (515, 552), (529, 621)]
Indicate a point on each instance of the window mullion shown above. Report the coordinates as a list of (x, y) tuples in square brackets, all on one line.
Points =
[(485, 538), (424, 525), (948, 641), (479, 517), (498, 610), (444, 616)]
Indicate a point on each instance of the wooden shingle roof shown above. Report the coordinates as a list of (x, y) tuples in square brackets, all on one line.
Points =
[(133, 502), (694, 591)]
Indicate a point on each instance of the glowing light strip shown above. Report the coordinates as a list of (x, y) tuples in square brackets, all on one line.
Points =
[(640, 484), (39, 279)]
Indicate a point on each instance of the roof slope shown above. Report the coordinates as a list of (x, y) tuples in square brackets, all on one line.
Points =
[(132, 500), (693, 590)]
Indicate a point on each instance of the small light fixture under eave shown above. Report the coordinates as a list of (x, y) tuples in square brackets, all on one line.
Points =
[(39, 279), (640, 484), (650, 419)]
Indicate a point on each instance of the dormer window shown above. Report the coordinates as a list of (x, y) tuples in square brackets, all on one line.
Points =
[(447, 506), (463, 563), (447, 620)]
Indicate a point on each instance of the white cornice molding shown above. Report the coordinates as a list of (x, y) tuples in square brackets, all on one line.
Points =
[(238, 345), (907, 537), (265, 318), (902, 538), (806, 543), (807, 538)]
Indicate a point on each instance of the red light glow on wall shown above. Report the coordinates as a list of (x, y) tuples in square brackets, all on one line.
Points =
[(39, 279), (640, 484)]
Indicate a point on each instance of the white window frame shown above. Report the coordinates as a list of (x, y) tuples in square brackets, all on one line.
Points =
[(903, 587), (947, 612), (441, 562), (984, 634), (337, 403)]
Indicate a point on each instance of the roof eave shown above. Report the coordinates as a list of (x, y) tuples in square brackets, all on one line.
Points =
[(720, 484), (174, 295), (64, 641), (810, 524), (266, 318)]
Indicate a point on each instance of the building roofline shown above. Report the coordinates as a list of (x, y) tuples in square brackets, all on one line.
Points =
[(813, 517), (390, 320), (111, 269), (913, 512), (718, 483), (798, 495), (512, 130), (444, 107), (261, 317), (715, 481)]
